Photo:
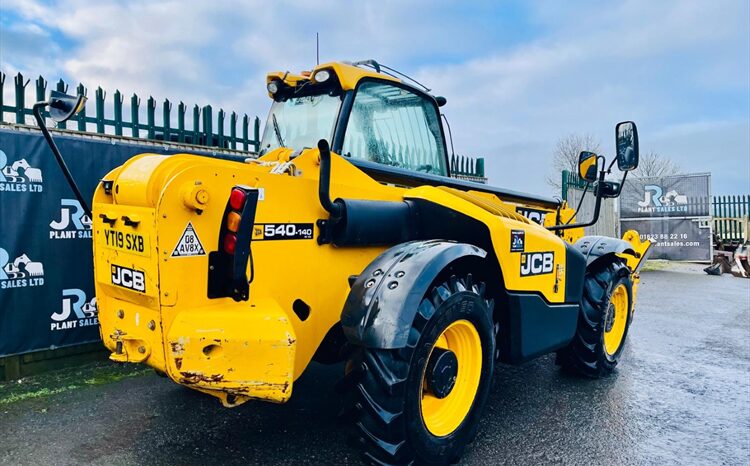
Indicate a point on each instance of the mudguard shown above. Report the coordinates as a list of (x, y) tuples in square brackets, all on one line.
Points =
[(595, 248), (384, 298)]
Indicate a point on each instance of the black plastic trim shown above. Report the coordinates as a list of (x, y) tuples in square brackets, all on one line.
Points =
[(384, 298), (227, 276), (597, 247), (536, 327), (342, 121), (575, 270)]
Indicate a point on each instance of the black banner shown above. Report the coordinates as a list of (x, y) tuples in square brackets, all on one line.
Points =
[(687, 239), (46, 264), (668, 196)]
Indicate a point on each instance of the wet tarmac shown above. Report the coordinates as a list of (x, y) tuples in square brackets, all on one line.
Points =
[(681, 395)]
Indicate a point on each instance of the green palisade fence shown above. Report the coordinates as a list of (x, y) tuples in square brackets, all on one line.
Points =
[(202, 133), (730, 213), (468, 168), (208, 129), (570, 180)]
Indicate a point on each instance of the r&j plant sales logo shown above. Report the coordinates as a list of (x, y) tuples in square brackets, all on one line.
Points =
[(19, 176), (655, 201), (73, 223), (76, 311), (20, 272)]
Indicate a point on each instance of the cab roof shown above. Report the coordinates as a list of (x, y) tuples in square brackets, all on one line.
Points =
[(348, 74)]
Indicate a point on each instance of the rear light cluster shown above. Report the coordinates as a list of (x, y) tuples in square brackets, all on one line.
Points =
[(237, 200), (227, 276)]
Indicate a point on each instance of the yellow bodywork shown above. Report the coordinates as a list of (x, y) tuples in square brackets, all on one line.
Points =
[(348, 75), (256, 348), (156, 218)]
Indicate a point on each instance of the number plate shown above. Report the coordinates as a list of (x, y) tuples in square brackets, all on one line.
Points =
[(127, 241), (281, 231)]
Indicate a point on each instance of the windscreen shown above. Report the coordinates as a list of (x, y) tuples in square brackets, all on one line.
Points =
[(392, 126), (300, 122)]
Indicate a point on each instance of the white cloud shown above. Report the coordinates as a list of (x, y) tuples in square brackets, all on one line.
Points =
[(611, 66), (578, 67)]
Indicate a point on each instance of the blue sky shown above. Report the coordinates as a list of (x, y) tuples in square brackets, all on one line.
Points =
[(517, 75)]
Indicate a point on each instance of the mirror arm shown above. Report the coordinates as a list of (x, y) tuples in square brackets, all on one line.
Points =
[(609, 169), (622, 183), (37, 111), (597, 208)]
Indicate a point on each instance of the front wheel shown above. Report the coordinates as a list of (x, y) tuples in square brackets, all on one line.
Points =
[(422, 403), (603, 321)]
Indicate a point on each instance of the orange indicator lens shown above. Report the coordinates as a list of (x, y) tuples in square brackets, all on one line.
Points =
[(233, 221)]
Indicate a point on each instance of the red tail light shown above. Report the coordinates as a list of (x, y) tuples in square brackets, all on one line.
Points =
[(230, 243), (237, 199), (228, 266)]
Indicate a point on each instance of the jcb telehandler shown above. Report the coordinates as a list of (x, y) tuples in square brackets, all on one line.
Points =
[(347, 240)]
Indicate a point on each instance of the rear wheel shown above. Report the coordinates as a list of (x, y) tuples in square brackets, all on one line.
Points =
[(422, 403), (603, 321)]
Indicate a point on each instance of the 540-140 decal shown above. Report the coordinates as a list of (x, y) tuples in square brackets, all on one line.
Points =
[(282, 231)]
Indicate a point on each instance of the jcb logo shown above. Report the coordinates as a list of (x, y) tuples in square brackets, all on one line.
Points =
[(128, 278), (535, 215), (537, 263)]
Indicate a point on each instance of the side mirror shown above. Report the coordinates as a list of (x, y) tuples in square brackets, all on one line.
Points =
[(62, 107), (587, 166), (627, 146)]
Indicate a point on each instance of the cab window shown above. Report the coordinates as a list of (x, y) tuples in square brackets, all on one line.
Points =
[(396, 127)]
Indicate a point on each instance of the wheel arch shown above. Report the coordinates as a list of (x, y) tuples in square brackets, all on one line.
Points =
[(600, 249), (384, 298)]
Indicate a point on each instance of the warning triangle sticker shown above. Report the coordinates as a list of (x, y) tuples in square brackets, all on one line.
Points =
[(189, 244)]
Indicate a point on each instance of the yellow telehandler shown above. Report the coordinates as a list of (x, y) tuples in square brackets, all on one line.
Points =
[(347, 240)]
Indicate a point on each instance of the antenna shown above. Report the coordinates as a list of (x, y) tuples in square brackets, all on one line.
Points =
[(317, 49)]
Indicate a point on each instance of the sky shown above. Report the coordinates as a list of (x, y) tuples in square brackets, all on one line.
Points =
[(518, 75)]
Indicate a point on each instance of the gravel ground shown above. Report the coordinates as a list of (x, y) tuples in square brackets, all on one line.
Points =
[(681, 395)]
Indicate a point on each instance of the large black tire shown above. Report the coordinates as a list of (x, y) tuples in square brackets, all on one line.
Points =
[(384, 387), (587, 354)]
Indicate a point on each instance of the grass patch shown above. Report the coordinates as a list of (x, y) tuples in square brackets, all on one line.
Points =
[(64, 380), (654, 265)]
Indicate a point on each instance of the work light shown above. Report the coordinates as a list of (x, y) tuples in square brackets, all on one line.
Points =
[(322, 76)]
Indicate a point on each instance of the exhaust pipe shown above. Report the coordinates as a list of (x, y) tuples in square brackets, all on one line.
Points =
[(361, 222), (324, 184)]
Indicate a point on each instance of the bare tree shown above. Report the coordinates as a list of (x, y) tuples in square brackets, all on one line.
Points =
[(566, 153), (654, 165)]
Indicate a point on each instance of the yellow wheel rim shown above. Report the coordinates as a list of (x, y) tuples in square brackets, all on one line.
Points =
[(442, 416), (616, 320)]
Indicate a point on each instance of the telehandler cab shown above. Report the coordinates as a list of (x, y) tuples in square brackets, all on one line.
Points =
[(347, 240)]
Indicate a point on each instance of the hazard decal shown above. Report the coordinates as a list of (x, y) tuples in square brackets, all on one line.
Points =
[(189, 244)]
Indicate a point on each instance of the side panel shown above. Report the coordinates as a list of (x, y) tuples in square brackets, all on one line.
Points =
[(531, 258), (536, 328), (575, 270)]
